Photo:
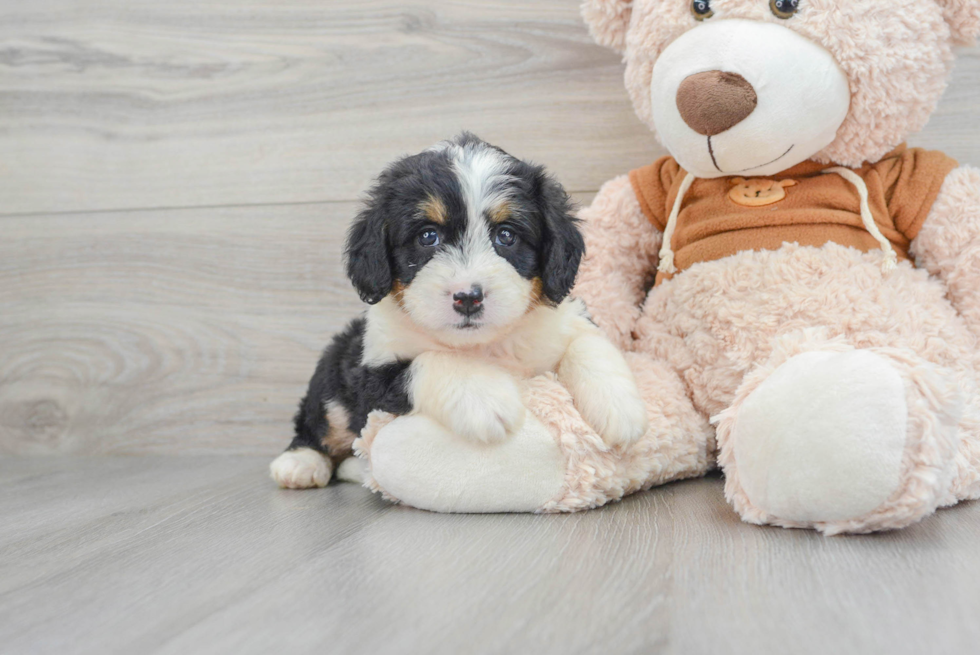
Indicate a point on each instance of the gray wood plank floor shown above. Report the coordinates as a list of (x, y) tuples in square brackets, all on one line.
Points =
[(175, 179), (203, 554)]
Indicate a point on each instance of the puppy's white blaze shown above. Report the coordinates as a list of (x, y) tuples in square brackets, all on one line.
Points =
[(482, 180), (480, 172), (484, 186)]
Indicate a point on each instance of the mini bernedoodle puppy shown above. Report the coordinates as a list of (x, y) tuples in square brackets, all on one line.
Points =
[(466, 256)]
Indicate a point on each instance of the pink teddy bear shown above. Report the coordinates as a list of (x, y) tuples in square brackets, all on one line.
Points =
[(797, 293)]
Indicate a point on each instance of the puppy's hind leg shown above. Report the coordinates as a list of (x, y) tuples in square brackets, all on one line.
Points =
[(322, 435), (301, 468), (306, 462)]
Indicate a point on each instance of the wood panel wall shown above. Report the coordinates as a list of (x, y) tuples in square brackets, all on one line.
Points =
[(176, 177)]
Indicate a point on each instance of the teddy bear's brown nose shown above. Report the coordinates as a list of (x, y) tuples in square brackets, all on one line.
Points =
[(715, 101)]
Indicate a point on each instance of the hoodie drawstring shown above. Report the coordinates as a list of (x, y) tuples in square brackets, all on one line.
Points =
[(666, 251), (666, 264), (891, 259)]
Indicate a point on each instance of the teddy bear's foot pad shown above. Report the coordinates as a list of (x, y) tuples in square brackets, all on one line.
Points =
[(420, 463), (823, 437)]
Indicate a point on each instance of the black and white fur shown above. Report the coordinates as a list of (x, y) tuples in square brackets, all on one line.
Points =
[(466, 256)]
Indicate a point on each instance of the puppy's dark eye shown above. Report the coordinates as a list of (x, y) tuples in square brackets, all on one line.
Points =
[(428, 237), (784, 8), (701, 9), (505, 237)]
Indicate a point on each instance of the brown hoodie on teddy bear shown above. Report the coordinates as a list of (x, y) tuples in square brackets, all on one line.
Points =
[(722, 216)]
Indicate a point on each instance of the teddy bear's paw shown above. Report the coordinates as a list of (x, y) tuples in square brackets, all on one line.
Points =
[(302, 468), (822, 438), (846, 441), (487, 417)]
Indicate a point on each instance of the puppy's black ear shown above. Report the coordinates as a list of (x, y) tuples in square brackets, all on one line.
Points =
[(368, 265), (562, 246)]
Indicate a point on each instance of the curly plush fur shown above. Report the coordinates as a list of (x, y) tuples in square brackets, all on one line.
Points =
[(893, 93), (703, 345)]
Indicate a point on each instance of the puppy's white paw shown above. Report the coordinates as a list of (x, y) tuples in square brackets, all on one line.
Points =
[(620, 421), (301, 469), (611, 404), (604, 390), (490, 416), (352, 469)]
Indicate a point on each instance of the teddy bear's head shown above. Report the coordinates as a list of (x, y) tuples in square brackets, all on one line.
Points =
[(734, 87)]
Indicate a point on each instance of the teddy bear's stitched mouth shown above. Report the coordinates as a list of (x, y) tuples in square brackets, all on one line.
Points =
[(711, 151)]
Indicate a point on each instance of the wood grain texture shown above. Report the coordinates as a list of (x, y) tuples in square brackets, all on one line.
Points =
[(178, 555), (130, 104), (113, 104), (191, 331), (194, 330)]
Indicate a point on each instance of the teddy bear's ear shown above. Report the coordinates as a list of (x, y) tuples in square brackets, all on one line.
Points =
[(735, 181), (963, 17), (608, 21)]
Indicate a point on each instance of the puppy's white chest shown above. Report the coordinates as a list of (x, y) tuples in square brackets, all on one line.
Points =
[(539, 343), (527, 358)]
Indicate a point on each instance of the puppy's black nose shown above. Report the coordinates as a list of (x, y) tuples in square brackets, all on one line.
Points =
[(469, 302)]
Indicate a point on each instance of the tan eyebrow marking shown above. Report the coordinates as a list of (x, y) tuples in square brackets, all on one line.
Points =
[(500, 213), (434, 209)]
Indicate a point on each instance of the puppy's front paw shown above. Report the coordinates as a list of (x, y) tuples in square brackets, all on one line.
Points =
[(614, 409), (300, 469), (604, 390), (488, 417), (621, 421)]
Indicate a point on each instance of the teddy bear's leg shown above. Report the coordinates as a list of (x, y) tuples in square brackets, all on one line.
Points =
[(841, 440), (554, 463), (948, 246)]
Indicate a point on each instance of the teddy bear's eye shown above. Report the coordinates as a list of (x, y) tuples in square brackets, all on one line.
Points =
[(784, 8), (701, 9)]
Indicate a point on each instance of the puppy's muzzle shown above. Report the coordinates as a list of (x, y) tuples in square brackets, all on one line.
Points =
[(469, 303)]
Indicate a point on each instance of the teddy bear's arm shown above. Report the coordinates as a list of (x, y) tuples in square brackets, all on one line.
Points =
[(621, 248), (948, 245)]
